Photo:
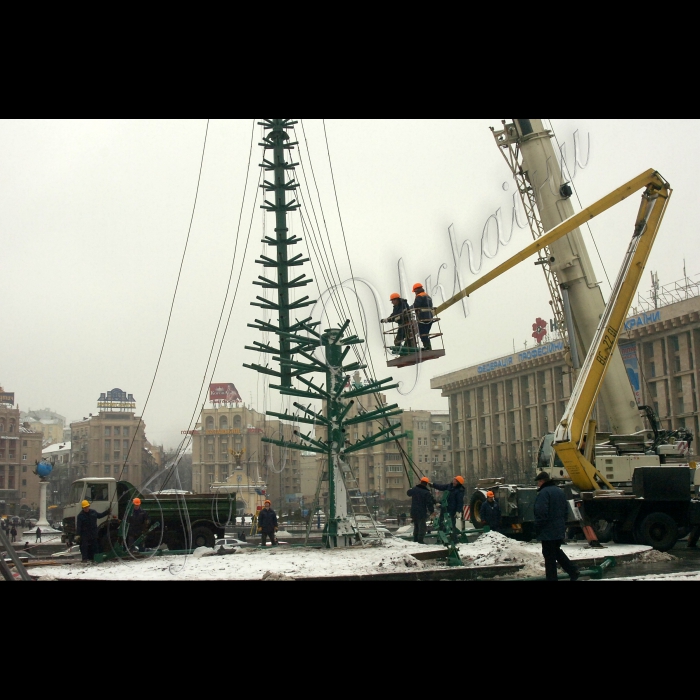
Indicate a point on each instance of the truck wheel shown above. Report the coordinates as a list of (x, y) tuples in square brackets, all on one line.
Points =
[(604, 530), (108, 539), (475, 508), (658, 530), (620, 536), (202, 537)]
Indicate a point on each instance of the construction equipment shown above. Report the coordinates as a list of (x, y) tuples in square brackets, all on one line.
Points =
[(660, 501), (188, 521)]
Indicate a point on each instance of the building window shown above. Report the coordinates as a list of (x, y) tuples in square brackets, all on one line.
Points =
[(125, 432), (117, 455), (125, 446), (24, 494), (24, 469), (444, 458), (223, 423), (107, 469), (237, 421), (210, 423), (117, 431), (24, 458), (394, 468), (24, 443), (108, 431), (24, 482)]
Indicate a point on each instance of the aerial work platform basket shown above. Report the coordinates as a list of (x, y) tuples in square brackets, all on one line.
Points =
[(404, 344)]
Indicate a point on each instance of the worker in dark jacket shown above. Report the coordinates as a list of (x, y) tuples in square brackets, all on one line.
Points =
[(267, 524), (86, 530), (138, 521), (551, 515), (423, 306), (422, 506), (455, 500), (400, 313), (490, 512)]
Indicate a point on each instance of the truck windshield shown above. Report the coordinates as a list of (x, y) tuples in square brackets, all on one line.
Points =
[(76, 493), (98, 492)]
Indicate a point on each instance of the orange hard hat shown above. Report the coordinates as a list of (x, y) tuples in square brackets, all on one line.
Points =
[(395, 295), (270, 502), (424, 479), (417, 285), (489, 494), (137, 501), (460, 479)]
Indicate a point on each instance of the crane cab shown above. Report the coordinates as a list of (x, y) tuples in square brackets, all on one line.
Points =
[(404, 345)]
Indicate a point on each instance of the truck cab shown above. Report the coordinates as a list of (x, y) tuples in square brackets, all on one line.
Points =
[(100, 492)]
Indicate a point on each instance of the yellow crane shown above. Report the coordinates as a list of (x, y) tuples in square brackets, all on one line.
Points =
[(575, 428)]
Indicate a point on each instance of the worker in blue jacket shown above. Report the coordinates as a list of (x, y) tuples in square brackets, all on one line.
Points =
[(423, 306), (422, 507), (86, 530), (551, 516), (455, 500), (490, 512), (267, 524), (400, 313)]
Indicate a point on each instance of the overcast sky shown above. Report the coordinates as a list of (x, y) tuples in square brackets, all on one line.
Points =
[(94, 216)]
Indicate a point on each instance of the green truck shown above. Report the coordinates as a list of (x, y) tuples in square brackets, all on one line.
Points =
[(186, 521)]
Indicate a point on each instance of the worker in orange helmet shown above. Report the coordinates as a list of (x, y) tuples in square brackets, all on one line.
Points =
[(455, 500), (423, 306), (422, 506), (400, 314), (138, 522), (490, 512)]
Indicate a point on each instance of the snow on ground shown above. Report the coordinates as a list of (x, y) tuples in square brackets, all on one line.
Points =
[(278, 563), (287, 563), (494, 548), (680, 576)]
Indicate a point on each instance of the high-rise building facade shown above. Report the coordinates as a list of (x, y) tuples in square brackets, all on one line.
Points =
[(20, 450), (501, 408)]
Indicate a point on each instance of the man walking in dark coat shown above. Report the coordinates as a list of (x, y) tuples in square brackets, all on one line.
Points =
[(551, 514), (423, 306), (400, 313), (490, 512), (267, 524), (422, 506), (86, 530), (455, 501), (138, 524)]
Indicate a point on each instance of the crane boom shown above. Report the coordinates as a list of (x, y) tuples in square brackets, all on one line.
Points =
[(568, 437), (570, 432)]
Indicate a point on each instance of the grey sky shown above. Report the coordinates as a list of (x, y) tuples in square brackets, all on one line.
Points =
[(94, 215)]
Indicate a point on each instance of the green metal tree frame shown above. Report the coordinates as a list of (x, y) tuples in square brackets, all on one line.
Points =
[(298, 341)]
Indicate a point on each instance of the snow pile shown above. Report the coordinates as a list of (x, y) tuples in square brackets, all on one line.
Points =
[(493, 548), (253, 563), (649, 557)]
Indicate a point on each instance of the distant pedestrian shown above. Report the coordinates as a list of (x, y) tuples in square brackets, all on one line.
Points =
[(26, 547), (490, 512), (455, 501), (422, 507), (86, 530), (267, 524), (38, 535), (13, 532), (551, 515)]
